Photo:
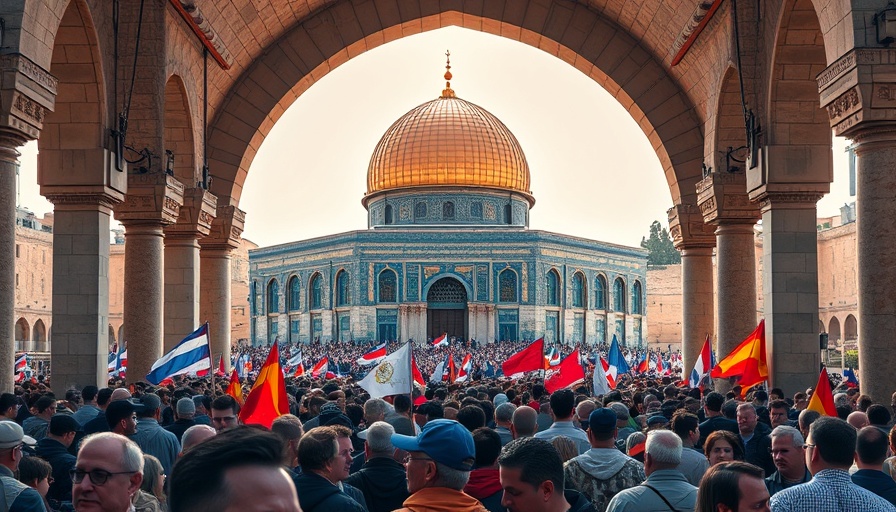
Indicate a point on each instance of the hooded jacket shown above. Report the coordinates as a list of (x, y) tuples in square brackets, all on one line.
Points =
[(383, 482), (317, 494), (485, 486), (441, 499), (600, 473)]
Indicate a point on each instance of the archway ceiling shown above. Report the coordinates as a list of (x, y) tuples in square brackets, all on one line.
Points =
[(317, 36)]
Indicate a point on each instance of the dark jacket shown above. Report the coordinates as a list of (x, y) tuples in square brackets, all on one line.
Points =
[(317, 494), (578, 502), (98, 424), (877, 482), (383, 482), (757, 450), (716, 423), (62, 461), (179, 427)]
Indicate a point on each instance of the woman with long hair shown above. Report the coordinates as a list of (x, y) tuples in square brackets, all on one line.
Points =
[(723, 446)]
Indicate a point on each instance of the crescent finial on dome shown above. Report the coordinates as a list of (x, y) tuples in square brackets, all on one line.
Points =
[(448, 92)]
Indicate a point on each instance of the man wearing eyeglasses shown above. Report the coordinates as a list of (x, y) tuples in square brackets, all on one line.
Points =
[(19, 497), (225, 413), (108, 473)]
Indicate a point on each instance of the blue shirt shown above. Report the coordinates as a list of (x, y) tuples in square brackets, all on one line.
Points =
[(830, 490), (566, 429), (156, 441)]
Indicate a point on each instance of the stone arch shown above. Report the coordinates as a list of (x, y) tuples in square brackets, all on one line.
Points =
[(436, 278), (601, 292), (508, 286), (850, 328), (387, 286), (272, 297), (552, 287), (343, 291), (179, 132), (729, 125), (79, 118), (23, 330), (579, 290), (39, 335), (834, 329), (316, 291), (619, 295), (794, 112), (294, 294), (604, 50)]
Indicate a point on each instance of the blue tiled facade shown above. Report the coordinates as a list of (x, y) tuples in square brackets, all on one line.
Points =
[(373, 283)]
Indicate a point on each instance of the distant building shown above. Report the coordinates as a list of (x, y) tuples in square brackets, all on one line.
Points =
[(448, 251)]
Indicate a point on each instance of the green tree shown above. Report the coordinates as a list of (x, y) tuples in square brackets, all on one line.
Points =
[(659, 246)]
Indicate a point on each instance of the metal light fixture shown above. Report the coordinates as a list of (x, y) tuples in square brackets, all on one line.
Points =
[(885, 21), (169, 162)]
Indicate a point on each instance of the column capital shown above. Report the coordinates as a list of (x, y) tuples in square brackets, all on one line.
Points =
[(858, 89), (152, 198), (225, 229), (196, 215), (722, 198), (687, 228), (77, 200), (27, 92)]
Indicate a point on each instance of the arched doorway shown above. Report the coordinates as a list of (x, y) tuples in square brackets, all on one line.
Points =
[(446, 304)]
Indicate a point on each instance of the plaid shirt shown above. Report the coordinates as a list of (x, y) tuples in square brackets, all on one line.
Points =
[(830, 490)]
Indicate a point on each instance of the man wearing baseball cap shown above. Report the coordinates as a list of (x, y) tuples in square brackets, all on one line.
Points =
[(19, 497), (438, 465)]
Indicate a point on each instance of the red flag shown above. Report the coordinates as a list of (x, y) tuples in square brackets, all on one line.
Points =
[(644, 365), (267, 401), (529, 359), (221, 370), (746, 361), (235, 389), (322, 366), (452, 371), (823, 398), (568, 373), (418, 377), (300, 370)]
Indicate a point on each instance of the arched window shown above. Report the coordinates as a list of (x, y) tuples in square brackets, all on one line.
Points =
[(600, 292), (507, 286), (273, 297), (636, 299), (314, 289), (420, 210), (294, 303), (388, 214), (388, 286), (578, 290), (619, 295), (448, 210), (850, 328), (23, 330), (508, 214), (552, 287), (343, 288), (834, 329)]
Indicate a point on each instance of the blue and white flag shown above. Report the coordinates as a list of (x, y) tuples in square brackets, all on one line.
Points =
[(615, 357), (189, 355), (489, 369)]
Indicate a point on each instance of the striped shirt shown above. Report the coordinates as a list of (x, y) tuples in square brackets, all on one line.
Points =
[(830, 490)]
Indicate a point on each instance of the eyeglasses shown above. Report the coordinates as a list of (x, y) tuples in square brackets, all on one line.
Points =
[(224, 419), (97, 476), (408, 459)]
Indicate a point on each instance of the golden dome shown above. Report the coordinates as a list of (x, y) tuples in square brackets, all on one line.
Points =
[(448, 142)]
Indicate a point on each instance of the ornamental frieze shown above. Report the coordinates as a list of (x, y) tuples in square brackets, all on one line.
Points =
[(846, 104), (26, 67)]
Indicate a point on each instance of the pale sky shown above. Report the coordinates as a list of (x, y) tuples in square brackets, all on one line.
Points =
[(594, 174)]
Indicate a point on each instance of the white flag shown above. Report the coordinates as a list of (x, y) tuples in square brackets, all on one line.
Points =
[(601, 386), (392, 376)]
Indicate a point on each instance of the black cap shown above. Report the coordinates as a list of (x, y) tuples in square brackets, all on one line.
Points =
[(61, 424)]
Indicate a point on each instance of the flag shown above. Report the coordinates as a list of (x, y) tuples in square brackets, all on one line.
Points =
[(438, 372), (701, 366), (190, 355), (392, 376), (374, 356), (300, 370), (529, 359), (418, 377), (601, 379), (452, 371), (489, 370), (643, 365), (21, 363), (466, 368), (822, 400), (235, 389), (222, 371), (322, 366), (295, 360), (553, 357), (267, 400), (441, 341), (616, 359), (746, 361), (850, 378), (568, 373)]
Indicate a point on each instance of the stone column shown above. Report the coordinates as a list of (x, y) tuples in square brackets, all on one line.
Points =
[(421, 311), (182, 265), (860, 98), (724, 204), (492, 313), (153, 201), (403, 324), (695, 240), (788, 181), (214, 280), (8, 167)]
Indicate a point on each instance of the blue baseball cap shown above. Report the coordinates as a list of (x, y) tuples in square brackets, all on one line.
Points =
[(446, 441)]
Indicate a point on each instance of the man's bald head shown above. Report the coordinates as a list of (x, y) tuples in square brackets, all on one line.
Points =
[(524, 421), (120, 394), (857, 419)]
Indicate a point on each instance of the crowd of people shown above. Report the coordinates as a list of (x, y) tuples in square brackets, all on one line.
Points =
[(487, 444)]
